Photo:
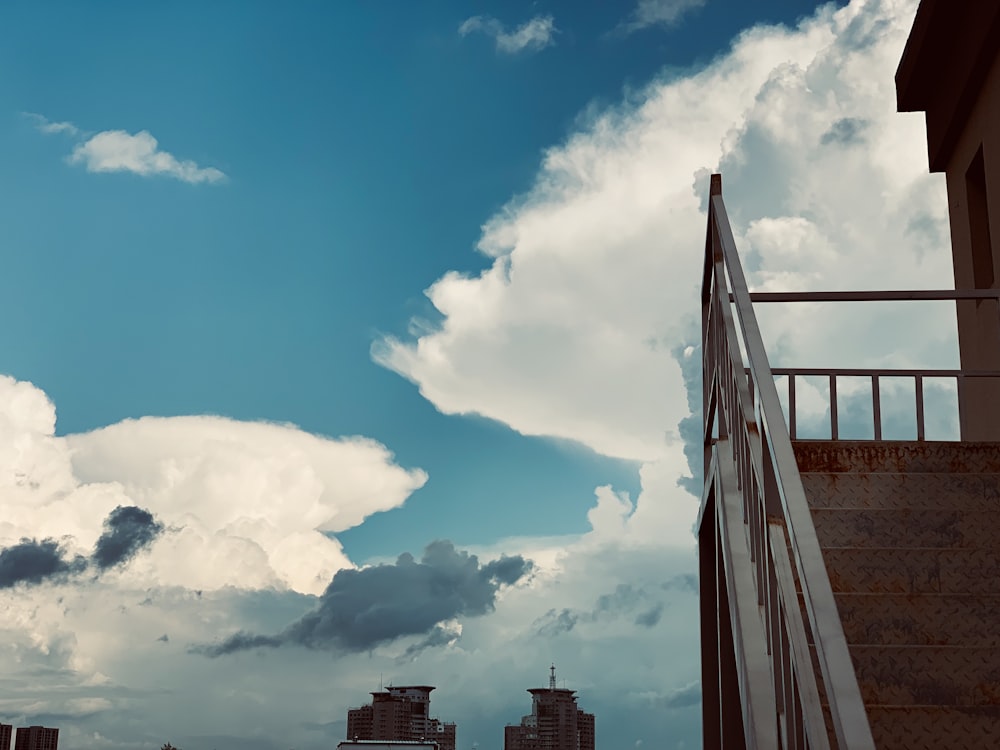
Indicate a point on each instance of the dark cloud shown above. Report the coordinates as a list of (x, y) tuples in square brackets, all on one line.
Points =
[(127, 529), (845, 131), (557, 622), (683, 697), (164, 638), (33, 562), (361, 609), (623, 600), (650, 617), (683, 582), (624, 597), (439, 636)]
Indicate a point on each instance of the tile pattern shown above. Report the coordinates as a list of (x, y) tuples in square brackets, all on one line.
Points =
[(911, 538)]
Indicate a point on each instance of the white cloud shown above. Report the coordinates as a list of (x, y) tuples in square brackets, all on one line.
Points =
[(593, 284), (595, 271), (245, 504), (120, 151), (44, 125), (533, 35), (657, 13)]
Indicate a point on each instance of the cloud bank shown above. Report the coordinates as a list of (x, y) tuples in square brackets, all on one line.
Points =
[(532, 35)]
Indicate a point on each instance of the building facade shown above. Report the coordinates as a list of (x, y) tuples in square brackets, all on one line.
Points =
[(555, 722), (37, 738), (6, 735), (400, 714)]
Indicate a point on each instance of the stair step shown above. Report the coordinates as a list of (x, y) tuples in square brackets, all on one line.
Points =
[(920, 619), (935, 727), (906, 528), (913, 571), (866, 456), (966, 492), (928, 675)]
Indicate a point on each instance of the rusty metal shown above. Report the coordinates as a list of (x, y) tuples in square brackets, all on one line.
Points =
[(753, 488), (909, 534), (918, 391)]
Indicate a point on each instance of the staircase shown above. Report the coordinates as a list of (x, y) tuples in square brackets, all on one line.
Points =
[(910, 535)]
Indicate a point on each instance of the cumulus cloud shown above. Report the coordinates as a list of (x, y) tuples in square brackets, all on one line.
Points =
[(121, 151), (252, 505), (364, 608), (657, 13), (532, 35), (139, 153), (578, 327)]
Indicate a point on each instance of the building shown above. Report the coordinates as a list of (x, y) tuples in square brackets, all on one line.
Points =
[(386, 745), (400, 714), (555, 722), (950, 70), (6, 734), (37, 738), (840, 580)]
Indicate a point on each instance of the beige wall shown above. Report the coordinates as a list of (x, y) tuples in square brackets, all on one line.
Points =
[(978, 322)]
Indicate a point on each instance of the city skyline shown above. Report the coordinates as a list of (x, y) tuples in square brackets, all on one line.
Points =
[(362, 339)]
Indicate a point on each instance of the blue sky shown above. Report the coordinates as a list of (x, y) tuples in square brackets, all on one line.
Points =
[(364, 145), (461, 242)]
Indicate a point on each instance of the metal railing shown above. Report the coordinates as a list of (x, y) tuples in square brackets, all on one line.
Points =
[(876, 375), (757, 522)]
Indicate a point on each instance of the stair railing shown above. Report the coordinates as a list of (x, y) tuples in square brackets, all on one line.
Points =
[(756, 506)]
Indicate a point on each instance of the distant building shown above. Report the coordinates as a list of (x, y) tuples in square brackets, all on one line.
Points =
[(37, 738), (400, 714), (386, 745), (6, 733), (555, 722)]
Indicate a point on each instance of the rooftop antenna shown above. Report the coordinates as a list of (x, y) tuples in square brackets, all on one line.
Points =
[(552, 677)]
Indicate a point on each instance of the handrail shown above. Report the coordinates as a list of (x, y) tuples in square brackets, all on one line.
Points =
[(742, 405), (890, 295)]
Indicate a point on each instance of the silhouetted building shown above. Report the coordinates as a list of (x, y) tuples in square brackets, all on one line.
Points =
[(6, 733), (37, 738), (400, 714), (555, 722)]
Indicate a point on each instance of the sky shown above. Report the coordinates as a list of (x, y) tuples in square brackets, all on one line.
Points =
[(357, 343)]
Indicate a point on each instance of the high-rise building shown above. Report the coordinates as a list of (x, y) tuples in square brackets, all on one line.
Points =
[(37, 738), (400, 713), (6, 733), (555, 722)]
